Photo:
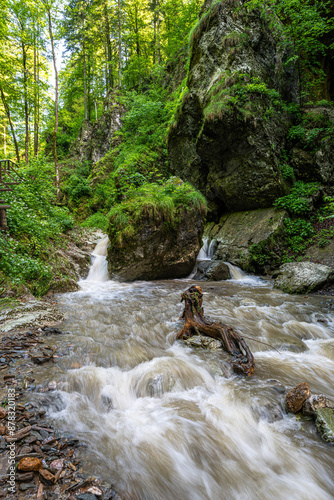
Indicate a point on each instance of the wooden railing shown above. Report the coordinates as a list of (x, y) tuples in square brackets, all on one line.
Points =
[(8, 178)]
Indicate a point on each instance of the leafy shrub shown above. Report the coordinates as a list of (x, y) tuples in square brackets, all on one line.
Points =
[(298, 201)]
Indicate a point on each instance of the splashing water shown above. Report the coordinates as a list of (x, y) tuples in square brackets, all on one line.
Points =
[(163, 420)]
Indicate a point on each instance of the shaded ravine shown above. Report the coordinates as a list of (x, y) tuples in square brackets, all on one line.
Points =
[(163, 420)]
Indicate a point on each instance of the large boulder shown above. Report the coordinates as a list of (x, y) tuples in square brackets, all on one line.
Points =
[(230, 128), (237, 232), (303, 277), (156, 250)]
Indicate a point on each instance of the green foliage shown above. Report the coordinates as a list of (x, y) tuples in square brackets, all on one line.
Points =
[(301, 26), (32, 221), (242, 95), (160, 203), (76, 187), (298, 201), (99, 219), (287, 171), (296, 233)]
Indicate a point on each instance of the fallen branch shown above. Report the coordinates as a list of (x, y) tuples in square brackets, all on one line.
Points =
[(195, 323)]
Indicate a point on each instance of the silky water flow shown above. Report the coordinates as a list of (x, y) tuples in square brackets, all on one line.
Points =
[(163, 420)]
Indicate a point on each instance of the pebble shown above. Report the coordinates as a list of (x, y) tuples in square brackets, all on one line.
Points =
[(29, 464), (3, 360), (86, 496)]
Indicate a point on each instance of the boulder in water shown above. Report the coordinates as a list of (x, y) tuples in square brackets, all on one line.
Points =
[(297, 397), (218, 271), (303, 277), (325, 424)]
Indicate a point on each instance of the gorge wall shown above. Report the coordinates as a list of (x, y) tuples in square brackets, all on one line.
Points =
[(230, 125)]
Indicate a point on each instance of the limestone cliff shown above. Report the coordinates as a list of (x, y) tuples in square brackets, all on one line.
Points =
[(230, 128)]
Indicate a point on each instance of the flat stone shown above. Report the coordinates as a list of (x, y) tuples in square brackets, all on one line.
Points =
[(46, 477), (297, 397), (26, 486), (86, 496), (325, 423)]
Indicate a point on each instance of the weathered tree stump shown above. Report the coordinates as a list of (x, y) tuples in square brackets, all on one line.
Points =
[(232, 342)]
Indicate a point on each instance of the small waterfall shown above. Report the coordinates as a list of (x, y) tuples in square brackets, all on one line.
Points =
[(99, 268), (208, 249), (235, 272)]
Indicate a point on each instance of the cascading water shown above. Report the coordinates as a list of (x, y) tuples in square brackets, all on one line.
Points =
[(99, 268), (163, 420), (208, 249)]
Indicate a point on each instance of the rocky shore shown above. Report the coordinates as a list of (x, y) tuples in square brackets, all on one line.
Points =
[(36, 460)]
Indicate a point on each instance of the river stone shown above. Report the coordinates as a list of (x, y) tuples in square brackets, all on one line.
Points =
[(315, 402), (325, 423), (29, 464), (303, 277), (156, 251), (204, 342), (297, 397), (218, 271)]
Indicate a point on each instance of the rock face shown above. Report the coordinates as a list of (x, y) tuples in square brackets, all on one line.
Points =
[(229, 132), (237, 232), (158, 252), (303, 277), (95, 139)]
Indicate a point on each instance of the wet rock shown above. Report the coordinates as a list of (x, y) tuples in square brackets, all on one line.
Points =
[(202, 267), (325, 423), (29, 464), (75, 366), (25, 450), (2, 430), (204, 342), (218, 271), (303, 277), (3, 412), (297, 397), (315, 402)]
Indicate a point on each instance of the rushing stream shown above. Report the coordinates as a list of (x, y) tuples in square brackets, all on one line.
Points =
[(166, 421)]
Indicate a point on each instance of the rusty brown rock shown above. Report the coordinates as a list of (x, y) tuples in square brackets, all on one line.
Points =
[(29, 464), (297, 397), (2, 430), (3, 412)]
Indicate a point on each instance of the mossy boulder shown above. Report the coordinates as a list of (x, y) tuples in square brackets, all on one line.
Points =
[(325, 424), (230, 129), (157, 233)]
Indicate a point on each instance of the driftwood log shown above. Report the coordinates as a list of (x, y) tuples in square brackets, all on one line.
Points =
[(195, 323)]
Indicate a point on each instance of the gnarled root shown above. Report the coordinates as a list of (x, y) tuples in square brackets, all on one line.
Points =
[(232, 342)]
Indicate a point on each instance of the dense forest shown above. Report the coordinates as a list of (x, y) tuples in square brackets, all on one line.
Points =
[(92, 92)]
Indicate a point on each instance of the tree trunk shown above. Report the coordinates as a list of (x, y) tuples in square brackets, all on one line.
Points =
[(158, 33), (5, 105), (195, 323), (136, 30), (85, 77), (119, 45), (110, 79), (26, 110), (54, 135), (36, 113)]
